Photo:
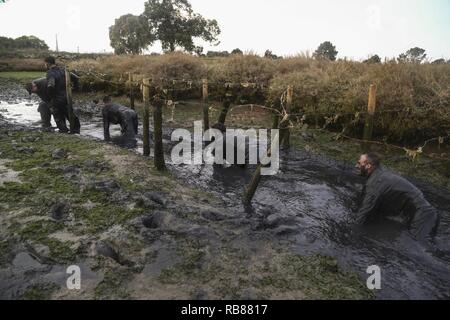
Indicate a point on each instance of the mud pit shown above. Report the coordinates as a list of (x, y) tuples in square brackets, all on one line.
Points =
[(305, 207)]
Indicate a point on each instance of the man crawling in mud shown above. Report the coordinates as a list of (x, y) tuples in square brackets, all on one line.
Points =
[(119, 114), (389, 195)]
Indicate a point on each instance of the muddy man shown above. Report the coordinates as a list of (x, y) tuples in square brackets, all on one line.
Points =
[(118, 114), (39, 87), (389, 195), (56, 90)]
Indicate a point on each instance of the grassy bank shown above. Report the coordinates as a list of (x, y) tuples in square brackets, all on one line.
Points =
[(413, 100), (22, 76)]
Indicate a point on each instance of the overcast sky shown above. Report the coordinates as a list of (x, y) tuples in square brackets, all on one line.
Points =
[(358, 28)]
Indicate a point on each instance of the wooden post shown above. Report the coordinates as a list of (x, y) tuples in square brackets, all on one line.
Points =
[(368, 128), (205, 105), (286, 132), (130, 79), (70, 101), (251, 189), (159, 161), (225, 108), (316, 115), (253, 186), (146, 116)]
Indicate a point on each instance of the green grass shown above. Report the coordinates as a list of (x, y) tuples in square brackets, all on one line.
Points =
[(22, 75)]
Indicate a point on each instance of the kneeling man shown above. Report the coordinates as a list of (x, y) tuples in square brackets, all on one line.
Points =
[(389, 195), (119, 114)]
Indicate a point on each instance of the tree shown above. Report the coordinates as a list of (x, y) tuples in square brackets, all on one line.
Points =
[(7, 43), (130, 35), (373, 59), (175, 24), (439, 61), (215, 54), (326, 51), (237, 51), (413, 55), (30, 42), (269, 55)]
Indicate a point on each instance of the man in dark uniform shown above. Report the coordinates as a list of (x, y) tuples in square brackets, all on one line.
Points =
[(118, 114), (56, 89), (389, 195), (238, 149), (39, 87)]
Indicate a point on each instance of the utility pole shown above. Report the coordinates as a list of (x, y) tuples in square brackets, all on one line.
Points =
[(57, 49)]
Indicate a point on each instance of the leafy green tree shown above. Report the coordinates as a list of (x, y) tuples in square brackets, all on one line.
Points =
[(413, 55), (175, 24), (30, 42), (373, 59), (130, 35), (237, 51), (7, 43), (326, 51)]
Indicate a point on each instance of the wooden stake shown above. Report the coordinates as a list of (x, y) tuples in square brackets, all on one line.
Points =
[(160, 163), (253, 186), (69, 100), (286, 132), (205, 105), (225, 108), (130, 79), (368, 128), (146, 116)]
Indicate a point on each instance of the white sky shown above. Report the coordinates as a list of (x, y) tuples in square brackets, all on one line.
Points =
[(358, 28)]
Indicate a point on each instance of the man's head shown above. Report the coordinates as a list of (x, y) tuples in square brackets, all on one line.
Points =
[(368, 163), (31, 88), (49, 61), (107, 100)]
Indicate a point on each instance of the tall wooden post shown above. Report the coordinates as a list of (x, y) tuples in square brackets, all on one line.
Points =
[(251, 189), (131, 79), (316, 115), (368, 128), (286, 132), (205, 105), (70, 101), (225, 107), (158, 133), (253, 186), (146, 116)]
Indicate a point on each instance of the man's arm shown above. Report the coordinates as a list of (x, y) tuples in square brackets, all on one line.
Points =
[(368, 206)]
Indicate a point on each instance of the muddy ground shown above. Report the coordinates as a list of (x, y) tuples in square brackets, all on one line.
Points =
[(139, 234), (136, 233)]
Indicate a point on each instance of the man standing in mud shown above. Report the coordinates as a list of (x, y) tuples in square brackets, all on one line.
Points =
[(39, 87), (56, 89), (389, 195), (119, 114)]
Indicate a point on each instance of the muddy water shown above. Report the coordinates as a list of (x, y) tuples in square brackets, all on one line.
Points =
[(309, 203)]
